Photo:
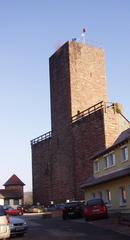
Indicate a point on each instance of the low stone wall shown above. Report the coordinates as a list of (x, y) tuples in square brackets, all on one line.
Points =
[(120, 218)]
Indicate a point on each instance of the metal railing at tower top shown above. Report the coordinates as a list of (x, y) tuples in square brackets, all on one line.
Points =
[(41, 138), (91, 110), (78, 116)]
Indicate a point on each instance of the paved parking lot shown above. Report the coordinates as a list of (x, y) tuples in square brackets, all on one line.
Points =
[(73, 229)]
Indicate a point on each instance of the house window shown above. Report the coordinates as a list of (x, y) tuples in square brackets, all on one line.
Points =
[(100, 194), (93, 195), (108, 196), (16, 201), (122, 196), (106, 162), (109, 160), (6, 202), (124, 153), (96, 166)]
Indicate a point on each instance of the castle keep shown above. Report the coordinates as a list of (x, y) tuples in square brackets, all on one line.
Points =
[(82, 123)]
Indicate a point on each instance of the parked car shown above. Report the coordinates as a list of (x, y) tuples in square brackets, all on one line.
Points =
[(73, 209), (52, 208), (20, 207), (35, 209), (13, 211), (26, 208), (4, 224), (60, 206), (18, 225), (56, 207), (95, 208)]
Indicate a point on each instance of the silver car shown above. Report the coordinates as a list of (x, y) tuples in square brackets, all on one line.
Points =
[(18, 225), (4, 224)]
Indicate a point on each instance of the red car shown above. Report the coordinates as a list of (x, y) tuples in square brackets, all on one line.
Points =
[(95, 208), (13, 211)]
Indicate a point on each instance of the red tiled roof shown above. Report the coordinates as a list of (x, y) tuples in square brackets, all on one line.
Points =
[(13, 181)]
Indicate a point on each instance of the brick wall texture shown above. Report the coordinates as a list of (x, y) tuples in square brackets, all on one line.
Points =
[(61, 162)]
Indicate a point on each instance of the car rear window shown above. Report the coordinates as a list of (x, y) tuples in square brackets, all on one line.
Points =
[(72, 204), (95, 202), (2, 212)]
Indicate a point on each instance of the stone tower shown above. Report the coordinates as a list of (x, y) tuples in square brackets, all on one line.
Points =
[(82, 123), (77, 81)]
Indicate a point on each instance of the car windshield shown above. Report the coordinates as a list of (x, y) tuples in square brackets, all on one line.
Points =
[(94, 202)]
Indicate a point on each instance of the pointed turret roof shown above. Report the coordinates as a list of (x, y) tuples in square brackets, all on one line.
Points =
[(13, 181)]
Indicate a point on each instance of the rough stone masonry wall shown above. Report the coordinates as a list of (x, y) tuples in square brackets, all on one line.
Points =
[(88, 138), (87, 76), (77, 81), (66, 158), (61, 164), (40, 167), (53, 169), (60, 89)]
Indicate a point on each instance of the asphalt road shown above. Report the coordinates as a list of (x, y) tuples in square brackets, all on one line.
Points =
[(58, 229)]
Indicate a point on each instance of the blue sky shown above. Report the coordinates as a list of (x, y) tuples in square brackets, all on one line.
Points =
[(30, 31)]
